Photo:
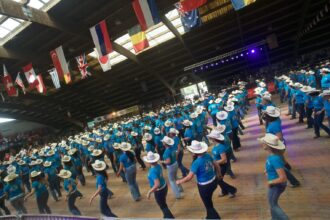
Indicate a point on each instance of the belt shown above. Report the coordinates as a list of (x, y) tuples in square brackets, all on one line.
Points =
[(161, 187), (207, 182)]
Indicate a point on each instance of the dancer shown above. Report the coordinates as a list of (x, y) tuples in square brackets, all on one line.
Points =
[(14, 191)]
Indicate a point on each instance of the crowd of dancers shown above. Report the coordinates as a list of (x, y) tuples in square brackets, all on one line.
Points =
[(208, 127)]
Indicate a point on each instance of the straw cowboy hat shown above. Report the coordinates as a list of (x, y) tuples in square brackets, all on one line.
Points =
[(220, 128), (35, 173), (216, 134), (124, 146), (11, 169), (262, 84), (147, 137), (66, 158), (197, 147), (116, 146), (306, 89), (157, 131), (272, 141), (72, 151), (147, 128), (229, 108), (85, 143), (39, 161), (91, 148), (222, 115), (99, 165), (151, 157), (187, 123), (21, 162), (10, 177), (65, 174), (106, 137), (50, 153), (273, 111), (173, 131), (168, 141), (193, 115), (168, 123), (98, 140), (119, 133), (267, 97), (134, 134), (47, 164), (325, 93), (96, 152)]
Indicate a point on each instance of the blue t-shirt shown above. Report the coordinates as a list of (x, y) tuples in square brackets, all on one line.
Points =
[(299, 95), (158, 140), (101, 181), (13, 189), (325, 82), (327, 107), (218, 150), (178, 123), (51, 172), (39, 188), (170, 153), (274, 127), (150, 147), (189, 134), (318, 103), (203, 168), (154, 173), (308, 101), (69, 182), (124, 159), (273, 163)]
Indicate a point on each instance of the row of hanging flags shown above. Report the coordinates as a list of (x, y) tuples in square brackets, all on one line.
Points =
[(147, 15)]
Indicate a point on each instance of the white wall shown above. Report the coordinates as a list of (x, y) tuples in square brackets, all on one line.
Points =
[(17, 126)]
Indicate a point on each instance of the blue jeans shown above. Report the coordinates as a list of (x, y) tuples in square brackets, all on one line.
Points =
[(172, 171), (183, 169), (18, 205), (42, 201), (104, 207), (130, 174), (71, 203), (274, 193), (318, 123)]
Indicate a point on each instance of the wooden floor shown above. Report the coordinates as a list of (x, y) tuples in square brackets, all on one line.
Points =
[(311, 165)]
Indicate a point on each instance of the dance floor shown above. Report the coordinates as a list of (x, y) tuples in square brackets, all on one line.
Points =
[(309, 158)]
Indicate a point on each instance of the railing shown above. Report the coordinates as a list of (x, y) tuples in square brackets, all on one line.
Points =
[(48, 217)]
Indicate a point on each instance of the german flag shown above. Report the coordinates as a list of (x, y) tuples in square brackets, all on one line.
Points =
[(138, 38)]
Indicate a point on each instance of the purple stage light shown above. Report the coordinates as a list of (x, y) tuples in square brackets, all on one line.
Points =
[(227, 60), (236, 57), (212, 64), (253, 51), (201, 68), (247, 53), (261, 48), (242, 54), (216, 64), (222, 61), (207, 67)]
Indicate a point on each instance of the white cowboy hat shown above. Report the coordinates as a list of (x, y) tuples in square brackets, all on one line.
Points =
[(151, 157), (168, 123), (187, 123), (35, 173), (106, 137), (91, 148), (199, 110), (297, 85), (124, 146), (21, 162), (11, 169), (134, 134), (221, 128), (72, 151), (273, 111), (216, 134), (157, 131), (98, 140), (147, 137), (211, 101), (267, 97), (262, 84), (222, 115), (65, 174), (96, 152), (85, 143), (173, 131), (119, 133), (10, 177), (218, 100), (325, 93), (99, 165), (272, 141), (66, 158), (116, 146), (229, 108), (197, 147), (147, 128), (47, 164), (39, 161), (193, 115), (168, 141)]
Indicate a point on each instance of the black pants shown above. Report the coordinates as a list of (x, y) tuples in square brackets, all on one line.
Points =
[(259, 115), (112, 160), (42, 203), (318, 123), (206, 192), (301, 110), (71, 203), (3, 206), (292, 179), (137, 152), (310, 120), (160, 197), (225, 187), (235, 139)]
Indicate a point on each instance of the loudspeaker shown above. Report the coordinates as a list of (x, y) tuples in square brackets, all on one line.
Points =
[(272, 41)]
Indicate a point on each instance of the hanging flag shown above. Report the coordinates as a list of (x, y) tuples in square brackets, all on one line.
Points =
[(239, 4), (8, 83), (83, 66), (189, 19), (30, 76), (189, 5), (104, 61), (60, 64), (20, 82), (55, 79), (41, 86), (146, 12), (101, 38), (138, 38)]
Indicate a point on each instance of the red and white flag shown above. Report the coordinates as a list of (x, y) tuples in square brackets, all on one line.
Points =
[(60, 64), (83, 66), (41, 86), (20, 82), (31, 76), (104, 61), (8, 82)]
